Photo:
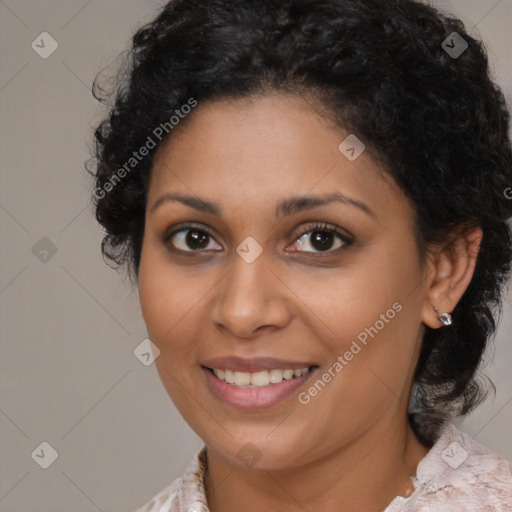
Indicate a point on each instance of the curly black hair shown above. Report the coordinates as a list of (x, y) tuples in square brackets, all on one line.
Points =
[(393, 72)]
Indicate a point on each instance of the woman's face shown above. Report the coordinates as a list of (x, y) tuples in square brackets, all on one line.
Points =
[(266, 283)]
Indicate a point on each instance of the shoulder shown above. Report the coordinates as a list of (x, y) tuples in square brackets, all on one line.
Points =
[(185, 493), (458, 474)]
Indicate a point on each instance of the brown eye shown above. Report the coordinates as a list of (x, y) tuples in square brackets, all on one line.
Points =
[(323, 238), (190, 239)]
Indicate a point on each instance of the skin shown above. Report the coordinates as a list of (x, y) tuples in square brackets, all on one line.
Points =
[(351, 448)]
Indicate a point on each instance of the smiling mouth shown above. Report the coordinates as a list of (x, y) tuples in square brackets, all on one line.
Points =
[(264, 378)]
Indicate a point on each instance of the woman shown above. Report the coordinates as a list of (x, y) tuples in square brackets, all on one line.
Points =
[(312, 198)]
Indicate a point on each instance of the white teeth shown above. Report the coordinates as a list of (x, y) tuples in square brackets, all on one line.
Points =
[(276, 376), (288, 374), (242, 379), (258, 379)]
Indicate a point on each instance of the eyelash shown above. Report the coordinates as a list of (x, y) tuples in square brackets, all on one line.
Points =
[(319, 226)]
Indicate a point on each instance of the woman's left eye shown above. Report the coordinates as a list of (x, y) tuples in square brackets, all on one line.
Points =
[(193, 238), (321, 237)]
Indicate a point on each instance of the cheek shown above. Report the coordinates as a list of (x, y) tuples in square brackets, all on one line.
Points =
[(164, 298), (167, 303), (371, 311), (368, 290), (173, 307), (158, 287)]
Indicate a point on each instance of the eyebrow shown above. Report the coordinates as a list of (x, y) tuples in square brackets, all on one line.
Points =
[(283, 208)]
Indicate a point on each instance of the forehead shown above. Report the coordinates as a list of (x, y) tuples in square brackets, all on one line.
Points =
[(254, 152)]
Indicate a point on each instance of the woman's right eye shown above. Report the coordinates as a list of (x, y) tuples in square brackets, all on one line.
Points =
[(190, 239)]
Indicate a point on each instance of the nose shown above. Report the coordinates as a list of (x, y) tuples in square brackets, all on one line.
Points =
[(251, 299)]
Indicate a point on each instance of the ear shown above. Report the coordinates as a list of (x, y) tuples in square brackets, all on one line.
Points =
[(450, 271)]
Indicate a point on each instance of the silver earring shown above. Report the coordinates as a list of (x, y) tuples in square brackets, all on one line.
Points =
[(444, 318)]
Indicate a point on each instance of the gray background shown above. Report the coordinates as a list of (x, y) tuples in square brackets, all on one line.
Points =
[(70, 325)]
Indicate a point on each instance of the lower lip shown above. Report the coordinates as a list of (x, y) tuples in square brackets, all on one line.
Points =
[(254, 398)]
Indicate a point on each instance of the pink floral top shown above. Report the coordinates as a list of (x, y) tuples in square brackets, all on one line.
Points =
[(457, 475)]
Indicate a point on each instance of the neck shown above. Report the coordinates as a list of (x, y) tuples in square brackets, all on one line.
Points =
[(366, 474)]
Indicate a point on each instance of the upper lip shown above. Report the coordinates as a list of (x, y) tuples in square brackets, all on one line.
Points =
[(255, 364)]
